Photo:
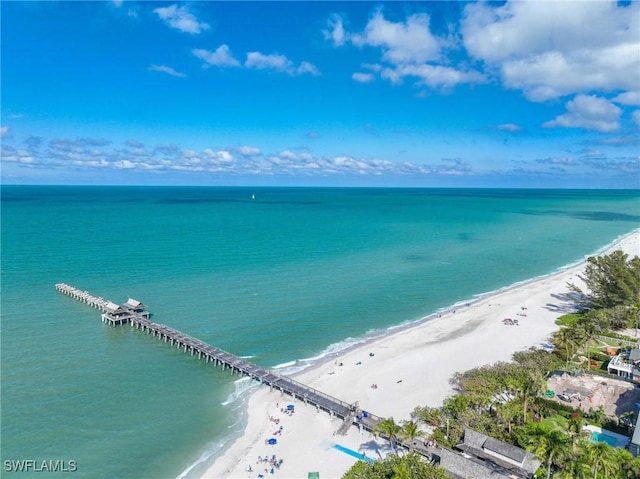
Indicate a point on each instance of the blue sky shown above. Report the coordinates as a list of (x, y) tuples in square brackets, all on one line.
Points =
[(508, 94)]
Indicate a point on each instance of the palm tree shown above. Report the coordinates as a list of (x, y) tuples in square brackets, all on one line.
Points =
[(567, 337), (576, 468), (549, 445), (508, 412), (528, 384), (630, 466), (410, 432), (402, 472), (575, 430), (601, 456), (589, 331), (389, 429)]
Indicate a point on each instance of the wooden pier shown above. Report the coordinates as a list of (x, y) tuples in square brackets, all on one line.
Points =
[(83, 296), (135, 313)]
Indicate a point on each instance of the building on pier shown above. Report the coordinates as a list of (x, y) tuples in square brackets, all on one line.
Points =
[(137, 307), (115, 314)]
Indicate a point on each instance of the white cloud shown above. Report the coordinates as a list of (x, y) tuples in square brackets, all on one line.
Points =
[(337, 33), (189, 153), (13, 155), (96, 153), (562, 160), (589, 112), (408, 48), (544, 49), (249, 151), (124, 165), (222, 57), (374, 67), (554, 74), (261, 61), (403, 42), (255, 60), (454, 167), (512, 127), (363, 77), (628, 98), (289, 155), (167, 70), (306, 67), (280, 63), (435, 76), (4, 132), (181, 19), (221, 156), (635, 116)]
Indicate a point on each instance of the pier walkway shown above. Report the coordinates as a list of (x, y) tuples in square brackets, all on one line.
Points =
[(134, 313), (83, 296)]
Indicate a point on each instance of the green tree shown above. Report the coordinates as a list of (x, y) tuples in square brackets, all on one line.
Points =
[(597, 416), (601, 457), (409, 466), (623, 316), (410, 432), (629, 465), (610, 280), (509, 412), (575, 468), (432, 416), (527, 384), (535, 359), (388, 428), (549, 445), (576, 431), (565, 339), (588, 330), (482, 381)]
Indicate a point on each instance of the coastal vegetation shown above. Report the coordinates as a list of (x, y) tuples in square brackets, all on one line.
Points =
[(408, 466), (509, 401), (610, 304)]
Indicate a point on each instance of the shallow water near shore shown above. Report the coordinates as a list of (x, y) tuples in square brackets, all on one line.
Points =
[(292, 274)]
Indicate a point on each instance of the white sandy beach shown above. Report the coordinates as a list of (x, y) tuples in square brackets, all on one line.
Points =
[(411, 367)]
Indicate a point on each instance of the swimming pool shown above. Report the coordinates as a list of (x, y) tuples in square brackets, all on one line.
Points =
[(353, 453), (602, 437)]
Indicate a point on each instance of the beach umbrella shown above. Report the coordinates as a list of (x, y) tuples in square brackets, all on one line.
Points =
[(272, 441), (290, 407)]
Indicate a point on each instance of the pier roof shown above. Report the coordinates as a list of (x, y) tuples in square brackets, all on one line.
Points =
[(133, 303), (112, 307)]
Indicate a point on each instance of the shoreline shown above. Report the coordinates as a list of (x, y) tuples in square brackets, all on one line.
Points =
[(373, 336), (411, 366)]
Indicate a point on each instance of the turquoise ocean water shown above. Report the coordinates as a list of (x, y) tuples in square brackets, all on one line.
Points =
[(288, 276)]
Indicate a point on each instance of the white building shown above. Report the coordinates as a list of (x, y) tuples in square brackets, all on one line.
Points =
[(626, 365)]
